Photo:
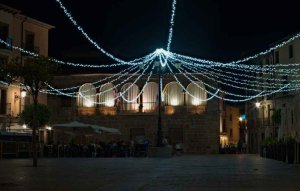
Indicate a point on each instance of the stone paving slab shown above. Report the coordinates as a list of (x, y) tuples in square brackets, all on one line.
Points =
[(191, 173)]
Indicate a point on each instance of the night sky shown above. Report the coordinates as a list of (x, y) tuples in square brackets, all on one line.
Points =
[(213, 29)]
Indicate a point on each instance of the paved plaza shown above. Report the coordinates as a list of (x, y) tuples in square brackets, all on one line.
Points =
[(199, 172)]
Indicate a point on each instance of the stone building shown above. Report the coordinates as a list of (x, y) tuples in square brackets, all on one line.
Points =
[(185, 119), (230, 132)]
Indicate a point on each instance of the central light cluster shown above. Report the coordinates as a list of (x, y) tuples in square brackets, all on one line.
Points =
[(237, 75)]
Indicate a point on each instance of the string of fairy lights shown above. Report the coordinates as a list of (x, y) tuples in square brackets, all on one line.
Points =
[(214, 78)]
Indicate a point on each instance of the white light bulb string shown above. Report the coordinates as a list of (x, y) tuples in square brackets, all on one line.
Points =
[(171, 25), (120, 93), (261, 94), (234, 80), (257, 69), (69, 16), (110, 89), (122, 73), (182, 86), (137, 61)]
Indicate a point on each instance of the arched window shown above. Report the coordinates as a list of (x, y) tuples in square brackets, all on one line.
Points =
[(130, 102), (150, 96), (87, 95), (107, 94), (197, 89), (173, 94)]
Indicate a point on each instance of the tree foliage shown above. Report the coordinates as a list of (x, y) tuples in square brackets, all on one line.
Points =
[(43, 114), (276, 117), (33, 74)]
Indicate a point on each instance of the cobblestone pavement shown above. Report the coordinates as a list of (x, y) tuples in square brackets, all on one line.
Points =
[(199, 172)]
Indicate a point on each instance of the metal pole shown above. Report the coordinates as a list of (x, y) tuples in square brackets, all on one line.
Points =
[(159, 127)]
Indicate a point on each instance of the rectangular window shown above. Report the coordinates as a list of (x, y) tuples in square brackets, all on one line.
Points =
[(231, 133), (230, 117), (276, 57), (292, 116), (3, 102), (3, 60), (291, 51), (29, 41), (4, 35), (224, 126)]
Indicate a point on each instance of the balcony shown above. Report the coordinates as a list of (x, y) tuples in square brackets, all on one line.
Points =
[(4, 46), (31, 48)]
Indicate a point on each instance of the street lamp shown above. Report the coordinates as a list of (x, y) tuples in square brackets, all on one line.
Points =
[(257, 104), (17, 97), (159, 126)]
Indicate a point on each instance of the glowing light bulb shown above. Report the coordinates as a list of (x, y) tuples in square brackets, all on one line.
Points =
[(110, 103), (257, 104), (174, 102), (88, 103), (196, 101)]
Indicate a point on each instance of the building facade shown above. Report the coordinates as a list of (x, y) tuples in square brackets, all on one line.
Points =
[(186, 120), (277, 116), (230, 132), (21, 31)]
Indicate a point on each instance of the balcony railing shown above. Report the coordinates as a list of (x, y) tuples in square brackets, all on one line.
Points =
[(8, 41), (31, 48)]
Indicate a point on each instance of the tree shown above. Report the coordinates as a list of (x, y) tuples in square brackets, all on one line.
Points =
[(276, 117), (43, 114), (33, 74)]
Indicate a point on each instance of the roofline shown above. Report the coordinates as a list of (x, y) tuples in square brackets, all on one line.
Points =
[(9, 9), (34, 21), (18, 14), (283, 39)]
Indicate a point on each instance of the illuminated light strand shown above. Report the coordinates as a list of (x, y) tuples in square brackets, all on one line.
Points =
[(120, 93), (242, 75), (99, 81), (231, 68), (282, 89), (244, 83), (257, 68), (140, 93), (68, 14), (80, 93), (234, 63), (96, 87), (182, 86), (133, 62), (206, 84), (172, 22), (161, 89), (237, 87)]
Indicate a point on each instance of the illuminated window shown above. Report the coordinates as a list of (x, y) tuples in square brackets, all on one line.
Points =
[(130, 101), (173, 94), (107, 95), (197, 89), (87, 95), (150, 97)]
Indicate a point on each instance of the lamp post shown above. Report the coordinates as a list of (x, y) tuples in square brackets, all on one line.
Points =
[(159, 127), (20, 97)]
